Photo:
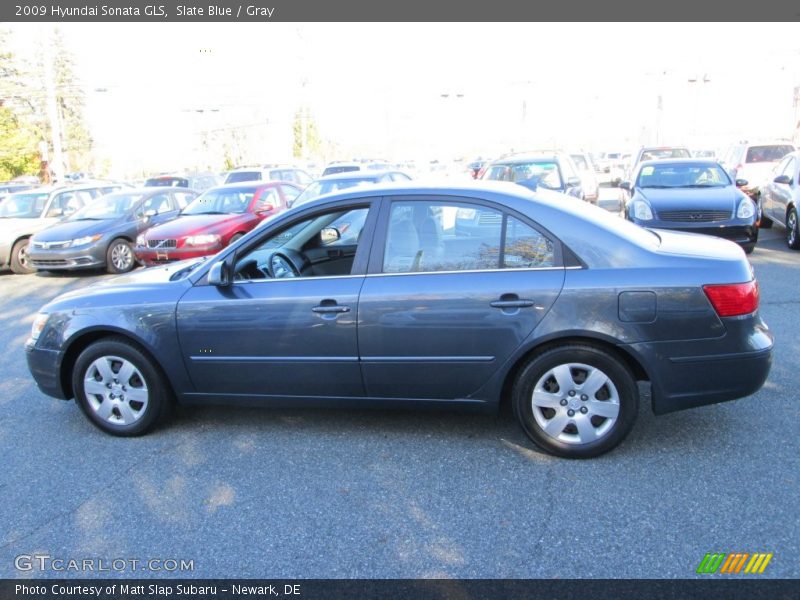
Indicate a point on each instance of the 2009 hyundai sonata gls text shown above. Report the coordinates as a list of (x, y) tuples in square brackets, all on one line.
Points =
[(460, 296)]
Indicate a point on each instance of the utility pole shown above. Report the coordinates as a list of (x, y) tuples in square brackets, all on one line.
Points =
[(52, 108)]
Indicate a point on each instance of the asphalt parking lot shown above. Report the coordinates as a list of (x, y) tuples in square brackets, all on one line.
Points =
[(323, 493)]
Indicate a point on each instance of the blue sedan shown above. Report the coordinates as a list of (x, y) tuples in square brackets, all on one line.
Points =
[(692, 195), (379, 297)]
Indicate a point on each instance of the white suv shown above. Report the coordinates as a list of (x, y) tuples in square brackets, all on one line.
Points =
[(754, 162)]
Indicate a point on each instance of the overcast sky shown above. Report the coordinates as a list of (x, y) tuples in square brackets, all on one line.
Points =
[(397, 90)]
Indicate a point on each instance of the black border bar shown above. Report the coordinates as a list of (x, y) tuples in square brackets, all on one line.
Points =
[(63, 11), (389, 589)]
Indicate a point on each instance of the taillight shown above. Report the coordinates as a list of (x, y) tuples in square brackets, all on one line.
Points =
[(733, 299)]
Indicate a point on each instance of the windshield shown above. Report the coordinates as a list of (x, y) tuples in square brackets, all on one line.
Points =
[(167, 182), (771, 153), (25, 206), (220, 201), (545, 172), (661, 153), (107, 207), (318, 188), (682, 176)]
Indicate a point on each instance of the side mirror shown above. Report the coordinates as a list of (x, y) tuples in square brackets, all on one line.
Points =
[(220, 272), (265, 210), (784, 179), (330, 234), (741, 182), (573, 182), (626, 185)]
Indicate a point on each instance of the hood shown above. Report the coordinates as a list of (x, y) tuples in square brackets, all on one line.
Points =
[(70, 230), (11, 228), (197, 224), (142, 285), (711, 198)]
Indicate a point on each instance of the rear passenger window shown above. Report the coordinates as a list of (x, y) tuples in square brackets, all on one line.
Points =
[(428, 237), (525, 247)]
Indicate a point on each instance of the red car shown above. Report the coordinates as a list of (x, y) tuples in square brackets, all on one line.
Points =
[(213, 220)]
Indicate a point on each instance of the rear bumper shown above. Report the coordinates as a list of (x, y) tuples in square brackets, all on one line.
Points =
[(45, 366), (700, 372)]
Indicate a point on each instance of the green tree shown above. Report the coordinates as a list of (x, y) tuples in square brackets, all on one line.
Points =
[(19, 154), (307, 140), (18, 148)]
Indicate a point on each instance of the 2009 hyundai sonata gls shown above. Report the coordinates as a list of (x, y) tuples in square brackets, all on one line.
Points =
[(461, 296)]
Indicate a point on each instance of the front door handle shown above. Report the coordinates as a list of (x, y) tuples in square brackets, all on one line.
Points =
[(327, 307)]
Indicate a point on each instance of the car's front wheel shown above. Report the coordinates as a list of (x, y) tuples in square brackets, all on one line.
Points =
[(792, 231), (119, 389), (576, 400), (20, 262), (119, 256)]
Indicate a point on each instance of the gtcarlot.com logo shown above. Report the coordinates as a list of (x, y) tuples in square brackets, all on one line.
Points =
[(45, 562), (735, 562)]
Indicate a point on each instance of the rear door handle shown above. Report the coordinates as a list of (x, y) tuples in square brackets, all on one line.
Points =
[(518, 303)]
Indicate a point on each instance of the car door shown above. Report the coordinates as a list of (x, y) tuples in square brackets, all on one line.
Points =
[(781, 193), (454, 287), (265, 336)]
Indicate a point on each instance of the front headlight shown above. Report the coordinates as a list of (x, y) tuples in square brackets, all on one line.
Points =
[(207, 239), (641, 211), (85, 240), (38, 325), (746, 209)]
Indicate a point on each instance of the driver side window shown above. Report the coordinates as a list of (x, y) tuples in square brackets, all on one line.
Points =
[(323, 245)]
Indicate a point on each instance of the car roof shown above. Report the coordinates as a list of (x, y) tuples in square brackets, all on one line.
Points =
[(250, 185), (528, 156), (696, 160)]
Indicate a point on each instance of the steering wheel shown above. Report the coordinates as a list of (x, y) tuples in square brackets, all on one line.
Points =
[(282, 267)]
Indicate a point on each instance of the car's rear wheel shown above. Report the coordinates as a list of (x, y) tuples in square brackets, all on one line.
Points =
[(119, 256), (20, 262), (575, 400), (792, 231), (119, 389)]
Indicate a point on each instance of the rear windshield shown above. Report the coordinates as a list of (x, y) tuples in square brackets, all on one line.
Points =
[(660, 153), (340, 169), (240, 176), (772, 153)]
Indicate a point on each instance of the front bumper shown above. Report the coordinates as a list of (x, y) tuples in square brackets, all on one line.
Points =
[(5, 253), (691, 374), (744, 233), (151, 258), (45, 366), (82, 257)]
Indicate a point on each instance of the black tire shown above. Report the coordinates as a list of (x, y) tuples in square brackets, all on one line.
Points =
[(765, 222), (235, 238), (792, 229), (128, 371), (748, 248), (19, 263), (617, 398), (119, 256)]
